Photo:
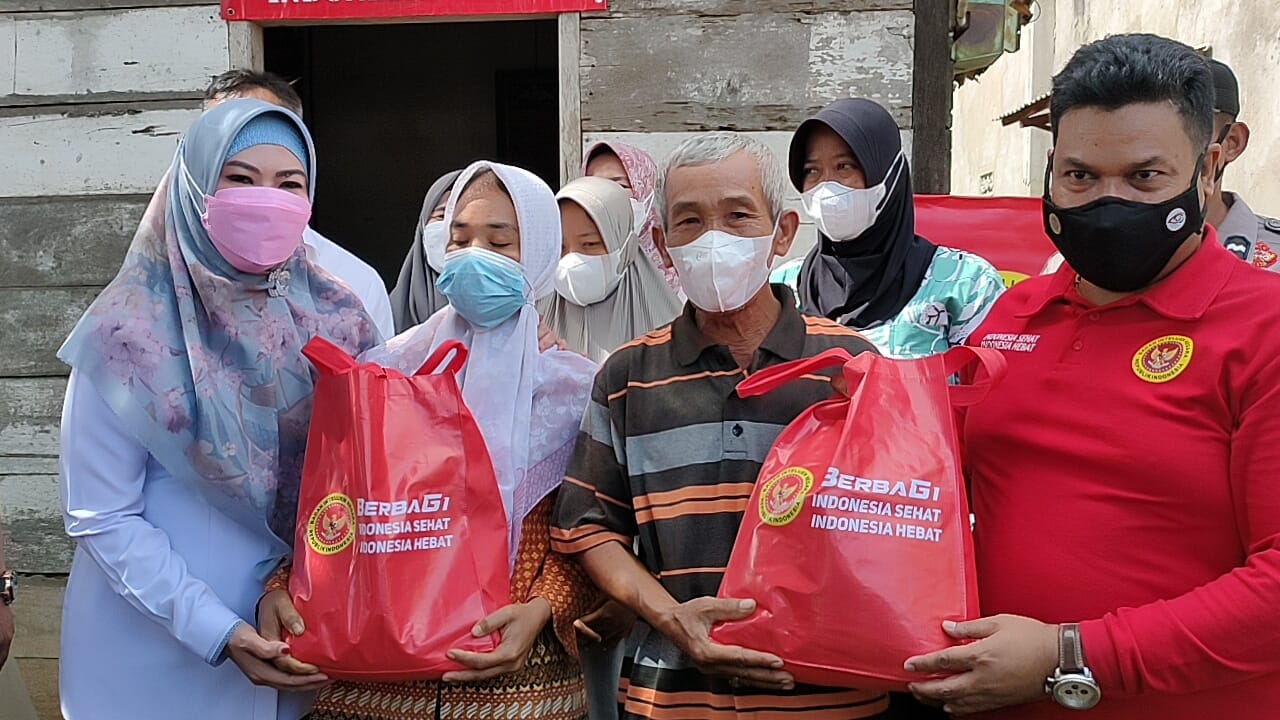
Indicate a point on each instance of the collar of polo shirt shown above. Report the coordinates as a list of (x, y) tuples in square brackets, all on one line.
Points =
[(786, 339), (1183, 295)]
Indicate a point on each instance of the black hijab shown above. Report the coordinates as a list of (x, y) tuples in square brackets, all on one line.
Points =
[(415, 297), (867, 280)]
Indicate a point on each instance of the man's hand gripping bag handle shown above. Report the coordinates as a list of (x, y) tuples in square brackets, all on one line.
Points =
[(330, 359), (855, 370)]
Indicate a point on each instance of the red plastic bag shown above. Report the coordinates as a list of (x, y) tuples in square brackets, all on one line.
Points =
[(856, 542), (401, 544)]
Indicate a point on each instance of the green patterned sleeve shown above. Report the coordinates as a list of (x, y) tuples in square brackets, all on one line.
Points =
[(977, 286), (788, 273)]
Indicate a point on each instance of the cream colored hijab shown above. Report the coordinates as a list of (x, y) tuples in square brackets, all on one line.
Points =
[(642, 300)]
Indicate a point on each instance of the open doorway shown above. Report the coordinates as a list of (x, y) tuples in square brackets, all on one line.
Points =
[(393, 107)]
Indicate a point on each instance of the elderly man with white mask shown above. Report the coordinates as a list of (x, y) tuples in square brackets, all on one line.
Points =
[(668, 454)]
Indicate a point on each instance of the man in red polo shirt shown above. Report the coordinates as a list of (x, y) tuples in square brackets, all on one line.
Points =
[(1124, 473)]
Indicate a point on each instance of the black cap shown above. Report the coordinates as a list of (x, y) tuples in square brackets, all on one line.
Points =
[(1226, 89)]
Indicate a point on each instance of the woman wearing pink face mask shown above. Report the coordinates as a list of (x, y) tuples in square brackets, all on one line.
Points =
[(184, 428)]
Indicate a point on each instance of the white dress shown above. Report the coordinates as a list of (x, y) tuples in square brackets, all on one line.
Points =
[(159, 581), (363, 280)]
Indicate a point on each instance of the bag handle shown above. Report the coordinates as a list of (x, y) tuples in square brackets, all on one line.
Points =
[(328, 358), (437, 365), (770, 379), (955, 360), (961, 357)]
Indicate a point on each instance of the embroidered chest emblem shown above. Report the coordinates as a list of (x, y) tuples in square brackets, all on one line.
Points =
[(1163, 359), (1264, 256)]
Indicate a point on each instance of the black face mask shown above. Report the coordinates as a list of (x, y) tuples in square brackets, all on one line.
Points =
[(1222, 137), (1121, 245)]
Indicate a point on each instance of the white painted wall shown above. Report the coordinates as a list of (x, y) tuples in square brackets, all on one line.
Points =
[(1245, 35)]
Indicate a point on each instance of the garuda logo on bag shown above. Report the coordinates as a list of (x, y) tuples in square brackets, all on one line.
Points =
[(331, 527), (782, 497)]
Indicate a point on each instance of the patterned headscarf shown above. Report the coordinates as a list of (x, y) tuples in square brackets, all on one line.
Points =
[(203, 363), (642, 172)]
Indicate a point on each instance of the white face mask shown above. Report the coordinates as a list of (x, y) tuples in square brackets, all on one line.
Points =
[(640, 213), (435, 240), (844, 213), (587, 279), (721, 272)]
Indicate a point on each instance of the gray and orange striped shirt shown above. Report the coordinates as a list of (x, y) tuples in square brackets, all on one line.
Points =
[(665, 463)]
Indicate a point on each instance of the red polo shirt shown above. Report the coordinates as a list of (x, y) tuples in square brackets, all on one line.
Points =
[(1125, 476)]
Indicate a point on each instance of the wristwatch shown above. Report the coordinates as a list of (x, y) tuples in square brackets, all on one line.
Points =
[(7, 585), (1072, 685)]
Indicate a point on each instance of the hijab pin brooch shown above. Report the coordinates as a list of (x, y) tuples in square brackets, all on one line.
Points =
[(278, 282)]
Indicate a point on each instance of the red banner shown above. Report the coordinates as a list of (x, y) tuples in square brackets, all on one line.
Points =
[(1007, 231), (277, 10)]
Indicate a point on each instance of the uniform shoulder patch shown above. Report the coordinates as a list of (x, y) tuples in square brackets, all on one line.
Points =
[(1238, 245)]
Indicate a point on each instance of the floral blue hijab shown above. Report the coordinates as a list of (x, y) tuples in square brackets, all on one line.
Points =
[(202, 362)]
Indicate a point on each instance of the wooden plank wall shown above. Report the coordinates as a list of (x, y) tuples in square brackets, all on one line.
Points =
[(93, 98), (682, 65)]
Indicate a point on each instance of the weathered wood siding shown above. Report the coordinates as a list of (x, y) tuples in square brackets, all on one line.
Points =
[(95, 149), (110, 52), (66, 241), (93, 99), (652, 66), (29, 416)]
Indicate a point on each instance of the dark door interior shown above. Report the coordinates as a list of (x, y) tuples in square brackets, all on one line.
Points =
[(393, 107)]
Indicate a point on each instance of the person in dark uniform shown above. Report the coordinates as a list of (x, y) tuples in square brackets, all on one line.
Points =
[(1249, 236)]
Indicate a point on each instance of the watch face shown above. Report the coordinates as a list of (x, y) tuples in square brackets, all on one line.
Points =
[(1076, 692)]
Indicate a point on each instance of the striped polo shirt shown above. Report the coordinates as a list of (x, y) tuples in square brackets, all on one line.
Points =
[(665, 463)]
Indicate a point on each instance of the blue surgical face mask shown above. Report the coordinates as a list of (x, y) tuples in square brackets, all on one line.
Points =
[(484, 287)]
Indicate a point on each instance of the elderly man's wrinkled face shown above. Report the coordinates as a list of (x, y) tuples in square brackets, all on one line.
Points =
[(727, 196), (485, 217)]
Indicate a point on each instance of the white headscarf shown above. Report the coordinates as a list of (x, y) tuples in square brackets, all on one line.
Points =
[(642, 300), (529, 405)]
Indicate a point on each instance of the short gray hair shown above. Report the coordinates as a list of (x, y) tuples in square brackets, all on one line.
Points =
[(715, 147)]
